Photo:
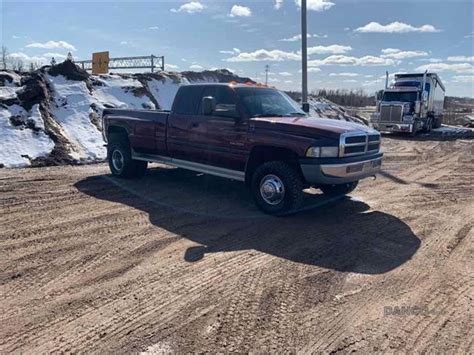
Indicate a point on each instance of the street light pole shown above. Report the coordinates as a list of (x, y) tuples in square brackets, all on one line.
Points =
[(304, 58)]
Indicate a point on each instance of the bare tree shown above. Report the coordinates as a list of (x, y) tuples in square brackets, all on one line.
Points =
[(19, 65), (34, 66), (4, 57)]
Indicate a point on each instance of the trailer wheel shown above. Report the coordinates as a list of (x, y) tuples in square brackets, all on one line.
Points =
[(120, 159)]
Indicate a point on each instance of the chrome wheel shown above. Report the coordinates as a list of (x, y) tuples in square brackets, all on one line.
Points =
[(117, 160), (272, 189)]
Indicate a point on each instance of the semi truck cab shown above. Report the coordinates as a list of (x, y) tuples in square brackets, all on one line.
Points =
[(414, 102)]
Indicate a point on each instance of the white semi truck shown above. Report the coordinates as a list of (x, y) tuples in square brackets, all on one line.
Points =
[(412, 103)]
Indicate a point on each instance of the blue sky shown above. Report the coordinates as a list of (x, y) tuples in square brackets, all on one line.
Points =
[(351, 45)]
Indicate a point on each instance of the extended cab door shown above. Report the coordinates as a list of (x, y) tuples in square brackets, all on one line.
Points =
[(186, 137), (226, 130)]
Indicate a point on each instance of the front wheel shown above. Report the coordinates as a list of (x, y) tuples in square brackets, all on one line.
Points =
[(277, 188), (339, 189), (120, 160)]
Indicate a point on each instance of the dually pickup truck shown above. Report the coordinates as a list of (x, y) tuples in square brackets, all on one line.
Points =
[(254, 134)]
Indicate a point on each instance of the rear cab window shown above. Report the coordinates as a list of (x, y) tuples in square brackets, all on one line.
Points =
[(188, 100)]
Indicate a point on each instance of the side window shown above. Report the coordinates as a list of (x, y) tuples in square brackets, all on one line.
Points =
[(226, 103), (188, 101)]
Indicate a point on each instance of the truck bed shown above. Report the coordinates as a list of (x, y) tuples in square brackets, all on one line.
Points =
[(146, 129)]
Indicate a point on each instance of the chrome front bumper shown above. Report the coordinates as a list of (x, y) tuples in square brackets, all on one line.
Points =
[(341, 173), (393, 127)]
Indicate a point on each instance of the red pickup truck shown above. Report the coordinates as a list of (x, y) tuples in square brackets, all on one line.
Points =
[(254, 134)]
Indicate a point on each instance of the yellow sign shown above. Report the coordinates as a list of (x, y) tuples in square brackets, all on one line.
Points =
[(100, 63)]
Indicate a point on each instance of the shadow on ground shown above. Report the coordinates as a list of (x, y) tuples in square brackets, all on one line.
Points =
[(341, 234)]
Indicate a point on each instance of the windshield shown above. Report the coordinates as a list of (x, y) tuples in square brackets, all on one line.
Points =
[(400, 96), (261, 102)]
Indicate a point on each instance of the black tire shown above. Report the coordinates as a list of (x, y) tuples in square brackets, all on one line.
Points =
[(339, 189), (274, 174), (120, 159), (437, 122)]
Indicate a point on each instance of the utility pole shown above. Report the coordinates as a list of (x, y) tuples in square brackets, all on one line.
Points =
[(304, 58), (267, 68)]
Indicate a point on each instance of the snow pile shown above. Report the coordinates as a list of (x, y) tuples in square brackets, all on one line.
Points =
[(71, 108), (52, 116), (164, 90), (22, 136)]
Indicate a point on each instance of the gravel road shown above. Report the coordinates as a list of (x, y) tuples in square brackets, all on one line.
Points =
[(183, 262)]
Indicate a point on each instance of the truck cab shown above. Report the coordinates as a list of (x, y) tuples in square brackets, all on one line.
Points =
[(414, 102)]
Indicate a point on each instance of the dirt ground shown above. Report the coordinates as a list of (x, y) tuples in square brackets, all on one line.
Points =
[(181, 262)]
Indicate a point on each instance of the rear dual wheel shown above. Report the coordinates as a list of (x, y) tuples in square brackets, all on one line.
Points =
[(120, 159)]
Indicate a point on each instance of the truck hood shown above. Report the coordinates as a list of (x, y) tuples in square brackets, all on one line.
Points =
[(309, 126)]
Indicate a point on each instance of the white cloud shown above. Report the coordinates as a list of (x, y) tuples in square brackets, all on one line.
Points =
[(153, 28), (278, 4), (233, 51), (285, 73), (52, 45), (277, 55), (371, 83), (316, 5), (470, 35), (332, 49), (240, 11), (288, 81), (350, 81), (343, 74), (431, 60), (298, 37), (314, 70), (259, 55), (196, 67), (367, 60), (55, 55), (190, 7), (463, 79), (124, 43), (399, 54), (20, 56), (171, 67), (394, 27), (461, 58), (465, 68)]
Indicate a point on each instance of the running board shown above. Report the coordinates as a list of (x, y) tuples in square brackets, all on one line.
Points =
[(184, 164)]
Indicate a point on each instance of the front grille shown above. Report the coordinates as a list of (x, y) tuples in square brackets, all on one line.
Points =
[(359, 143), (391, 113)]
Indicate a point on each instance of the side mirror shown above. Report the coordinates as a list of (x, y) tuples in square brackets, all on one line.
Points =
[(417, 107), (208, 105)]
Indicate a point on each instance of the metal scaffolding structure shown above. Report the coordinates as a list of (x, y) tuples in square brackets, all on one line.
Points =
[(151, 62)]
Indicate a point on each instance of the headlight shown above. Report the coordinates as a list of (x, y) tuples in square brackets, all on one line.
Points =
[(322, 152)]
